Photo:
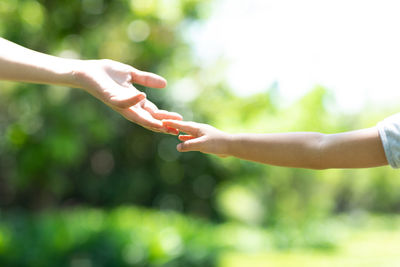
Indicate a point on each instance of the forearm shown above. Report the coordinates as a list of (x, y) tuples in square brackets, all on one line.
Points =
[(281, 149), (21, 64), (355, 149)]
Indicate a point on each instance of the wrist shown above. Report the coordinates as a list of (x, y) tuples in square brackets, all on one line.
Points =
[(70, 72), (59, 71), (227, 144)]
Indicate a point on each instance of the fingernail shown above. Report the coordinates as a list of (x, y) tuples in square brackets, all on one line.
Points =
[(179, 147), (171, 130)]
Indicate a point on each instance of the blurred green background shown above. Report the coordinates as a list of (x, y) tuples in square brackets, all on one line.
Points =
[(80, 186)]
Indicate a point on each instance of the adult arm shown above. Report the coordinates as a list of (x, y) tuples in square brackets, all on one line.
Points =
[(107, 80)]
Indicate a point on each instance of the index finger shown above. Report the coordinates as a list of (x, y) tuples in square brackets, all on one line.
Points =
[(184, 126), (147, 79)]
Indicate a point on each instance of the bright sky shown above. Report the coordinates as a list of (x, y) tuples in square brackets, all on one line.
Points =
[(351, 47)]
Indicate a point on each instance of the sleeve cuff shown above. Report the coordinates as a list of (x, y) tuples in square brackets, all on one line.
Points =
[(389, 131)]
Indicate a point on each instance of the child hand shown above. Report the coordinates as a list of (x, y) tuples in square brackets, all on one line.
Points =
[(201, 137)]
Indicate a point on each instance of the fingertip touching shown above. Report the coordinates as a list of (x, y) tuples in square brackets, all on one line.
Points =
[(167, 122), (178, 124), (185, 137), (185, 126), (172, 131)]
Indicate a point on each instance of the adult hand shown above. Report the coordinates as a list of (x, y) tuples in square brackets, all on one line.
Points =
[(111, 82)]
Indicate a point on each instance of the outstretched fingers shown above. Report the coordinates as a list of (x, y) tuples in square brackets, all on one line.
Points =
[(166, 115), (194, 144), (184, 126), (147, 79), (160, 114), (143, 118), (185, 137), (125, 101)]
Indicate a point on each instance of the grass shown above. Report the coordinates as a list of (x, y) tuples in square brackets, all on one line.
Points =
[(131, 236), (374, 242)]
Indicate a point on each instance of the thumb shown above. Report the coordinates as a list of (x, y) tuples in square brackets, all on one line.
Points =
[(191, 145), (125, 101)]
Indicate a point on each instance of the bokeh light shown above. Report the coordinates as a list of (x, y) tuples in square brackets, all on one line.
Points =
[(138, 31), (82, 186)]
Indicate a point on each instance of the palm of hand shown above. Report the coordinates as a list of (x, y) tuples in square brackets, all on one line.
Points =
[(111, 82)]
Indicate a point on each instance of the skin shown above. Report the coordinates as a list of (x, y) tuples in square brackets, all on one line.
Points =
[(107, 80), (355, 149)]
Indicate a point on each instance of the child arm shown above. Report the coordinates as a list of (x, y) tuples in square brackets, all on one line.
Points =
[(355, 149)]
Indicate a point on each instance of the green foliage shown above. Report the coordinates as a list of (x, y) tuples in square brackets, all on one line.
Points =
[(90, 237), (284, 197), (128, 236), (60, 147)]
